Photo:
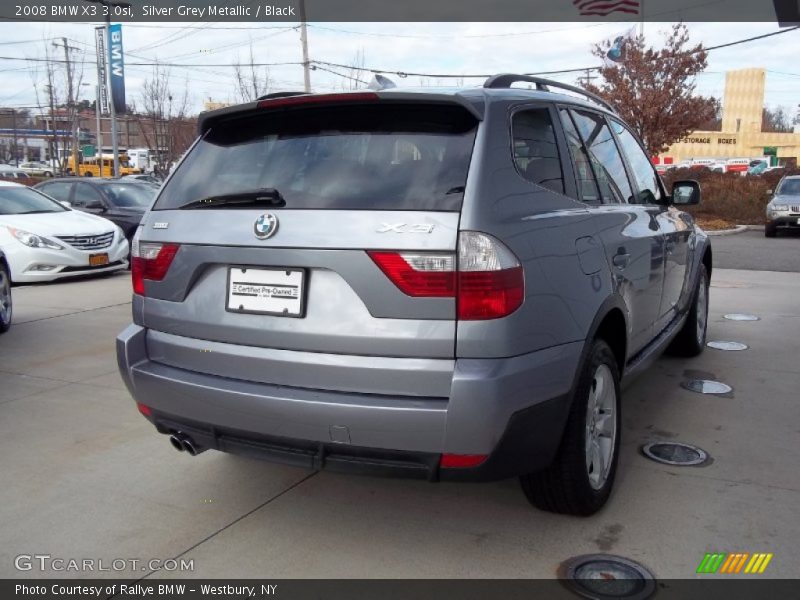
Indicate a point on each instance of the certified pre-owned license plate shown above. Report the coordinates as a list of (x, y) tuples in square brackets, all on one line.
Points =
[(266, 291), (98, 260)]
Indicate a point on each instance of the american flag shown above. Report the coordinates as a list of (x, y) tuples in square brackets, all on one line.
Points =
[(603, 8)]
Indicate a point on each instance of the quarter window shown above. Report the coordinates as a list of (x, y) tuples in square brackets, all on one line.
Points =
[(536, 150), (642, 169), (587, 185), (608, 166)]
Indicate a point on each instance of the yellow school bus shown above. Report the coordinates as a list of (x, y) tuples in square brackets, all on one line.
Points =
[(90, 167)]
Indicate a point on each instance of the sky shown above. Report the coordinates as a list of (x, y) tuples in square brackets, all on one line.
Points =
[(439, 48)]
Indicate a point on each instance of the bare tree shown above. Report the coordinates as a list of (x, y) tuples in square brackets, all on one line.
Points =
[(250, 83), (776, 121), (654, 89), (165, 125), (353, 77)]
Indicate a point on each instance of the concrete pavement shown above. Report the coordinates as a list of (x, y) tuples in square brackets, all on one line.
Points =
[(85, 476)]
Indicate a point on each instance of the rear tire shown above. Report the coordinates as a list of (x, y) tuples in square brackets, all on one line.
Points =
[(770, 230), (48, 174), (5, 298), (691, 340), (580, 479)]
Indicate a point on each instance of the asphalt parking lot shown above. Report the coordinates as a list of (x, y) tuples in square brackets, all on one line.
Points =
[(85, 476)]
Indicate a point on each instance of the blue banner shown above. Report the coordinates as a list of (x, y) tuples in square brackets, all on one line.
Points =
[(116, 65)]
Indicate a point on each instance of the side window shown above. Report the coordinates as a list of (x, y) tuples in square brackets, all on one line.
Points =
[(59, 190), (587, 185), (605, 157), (86, 194), (536, 150), (643, 172)]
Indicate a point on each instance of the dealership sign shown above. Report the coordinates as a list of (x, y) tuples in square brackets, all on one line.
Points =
[(116, 68), (100, 46)]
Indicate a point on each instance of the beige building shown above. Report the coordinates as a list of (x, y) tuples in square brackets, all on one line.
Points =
[(741, 135)]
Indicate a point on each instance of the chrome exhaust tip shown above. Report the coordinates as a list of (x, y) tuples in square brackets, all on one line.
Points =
[(176, 443)]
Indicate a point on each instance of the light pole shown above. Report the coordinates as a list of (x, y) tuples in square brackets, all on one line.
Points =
[(108, 4)]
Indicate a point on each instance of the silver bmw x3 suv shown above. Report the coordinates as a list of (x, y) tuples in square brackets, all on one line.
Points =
[(446, 284)]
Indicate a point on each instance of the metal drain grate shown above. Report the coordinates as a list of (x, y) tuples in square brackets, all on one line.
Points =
[(740, 317), (706, 386), (729, 346), (675, 453), (605, 576)]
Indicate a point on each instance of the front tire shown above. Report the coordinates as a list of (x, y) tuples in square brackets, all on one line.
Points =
[(5, 299), (691, 340), (770, 230), (580, 479)]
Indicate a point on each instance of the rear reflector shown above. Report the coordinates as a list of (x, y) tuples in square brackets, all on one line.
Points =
[(150, 261), (318, 99), (144, 409), (461, 461)]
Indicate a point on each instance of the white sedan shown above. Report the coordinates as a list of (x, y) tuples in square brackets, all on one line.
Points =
[(44, 240)]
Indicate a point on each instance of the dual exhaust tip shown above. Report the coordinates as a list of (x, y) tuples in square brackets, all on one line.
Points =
[(183, 443)]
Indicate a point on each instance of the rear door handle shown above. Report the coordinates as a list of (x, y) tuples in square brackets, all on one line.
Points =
[(621, 260)]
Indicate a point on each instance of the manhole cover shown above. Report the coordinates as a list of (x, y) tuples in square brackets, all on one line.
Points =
[(604, 576), (730, 346), (675, 453), (706, 386), (738, 317)]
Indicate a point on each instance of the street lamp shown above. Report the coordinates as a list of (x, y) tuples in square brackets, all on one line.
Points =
[(111, 4)]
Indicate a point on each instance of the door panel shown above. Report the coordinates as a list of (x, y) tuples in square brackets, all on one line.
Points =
[(677, 228)]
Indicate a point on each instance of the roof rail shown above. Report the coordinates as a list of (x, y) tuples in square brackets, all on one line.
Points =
[(505, 80), (281, 95)]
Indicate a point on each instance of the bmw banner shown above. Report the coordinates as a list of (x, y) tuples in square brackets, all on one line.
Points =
[(116, 67)]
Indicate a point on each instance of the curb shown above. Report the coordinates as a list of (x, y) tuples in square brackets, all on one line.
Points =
[(737, 229)]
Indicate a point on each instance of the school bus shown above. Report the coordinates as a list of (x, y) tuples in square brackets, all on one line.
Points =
[(90, 167)]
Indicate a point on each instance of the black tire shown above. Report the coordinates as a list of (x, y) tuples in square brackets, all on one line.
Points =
[(770, 231), (691, 340), (566, 485), (48, 174), (87, 174), (5, 298)]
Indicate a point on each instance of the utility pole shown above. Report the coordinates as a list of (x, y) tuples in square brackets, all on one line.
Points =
[(14, 125), (587, 79), (71, 104), (98, 138), (304, 44)]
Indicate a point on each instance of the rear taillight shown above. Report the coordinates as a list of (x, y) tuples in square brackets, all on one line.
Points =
[(488, 282), (150, 261)]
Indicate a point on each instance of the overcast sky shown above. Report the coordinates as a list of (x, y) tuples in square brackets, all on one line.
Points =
[(456, 48)]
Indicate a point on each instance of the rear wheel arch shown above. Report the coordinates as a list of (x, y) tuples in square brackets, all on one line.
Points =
[(708, 261), (612, 328)]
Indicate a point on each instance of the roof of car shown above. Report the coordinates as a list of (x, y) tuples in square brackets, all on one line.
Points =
[(473, 99), (4, 183)]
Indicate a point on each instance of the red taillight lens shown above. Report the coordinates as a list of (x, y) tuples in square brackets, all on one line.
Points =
[(144, 409), (489, 294), (419, 275), (318, 99), (151, 261), (461, 461), (489, 282)]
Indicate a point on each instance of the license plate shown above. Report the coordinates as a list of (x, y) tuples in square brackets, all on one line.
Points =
[(98, 260), (266, 291)]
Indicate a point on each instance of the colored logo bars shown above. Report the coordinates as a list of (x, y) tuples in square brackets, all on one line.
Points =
[(734, 563)]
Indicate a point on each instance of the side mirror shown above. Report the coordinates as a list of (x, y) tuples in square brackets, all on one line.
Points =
[(770, 192), (685, 193), (65, 204), (95, 205)]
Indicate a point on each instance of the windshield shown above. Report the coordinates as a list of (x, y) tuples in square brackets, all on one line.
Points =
[(131, 195), (790, 187), (378, 157), (24, 201)]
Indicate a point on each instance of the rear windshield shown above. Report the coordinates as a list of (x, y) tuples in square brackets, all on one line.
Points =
[(376, 157)]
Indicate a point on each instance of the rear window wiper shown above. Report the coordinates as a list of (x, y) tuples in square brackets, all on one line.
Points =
[(260, 197)]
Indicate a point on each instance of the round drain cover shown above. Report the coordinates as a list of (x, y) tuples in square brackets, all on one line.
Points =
[(737, 317), (706, 386), (675, 453), (727, 346), (604, 576)]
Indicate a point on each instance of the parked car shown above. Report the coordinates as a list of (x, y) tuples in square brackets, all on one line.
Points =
[(9, 172), (121, 201), (43, 240), (783, 211), (6, 304), (444, 284), (37, 169), (145, 178)]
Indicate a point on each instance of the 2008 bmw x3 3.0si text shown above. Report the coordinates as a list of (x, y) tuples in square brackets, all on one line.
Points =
[(447, 284)]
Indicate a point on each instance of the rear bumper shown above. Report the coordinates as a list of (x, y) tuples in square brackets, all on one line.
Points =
[(512, 410)]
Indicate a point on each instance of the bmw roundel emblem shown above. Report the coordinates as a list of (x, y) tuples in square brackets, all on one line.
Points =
[(266, 226)]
